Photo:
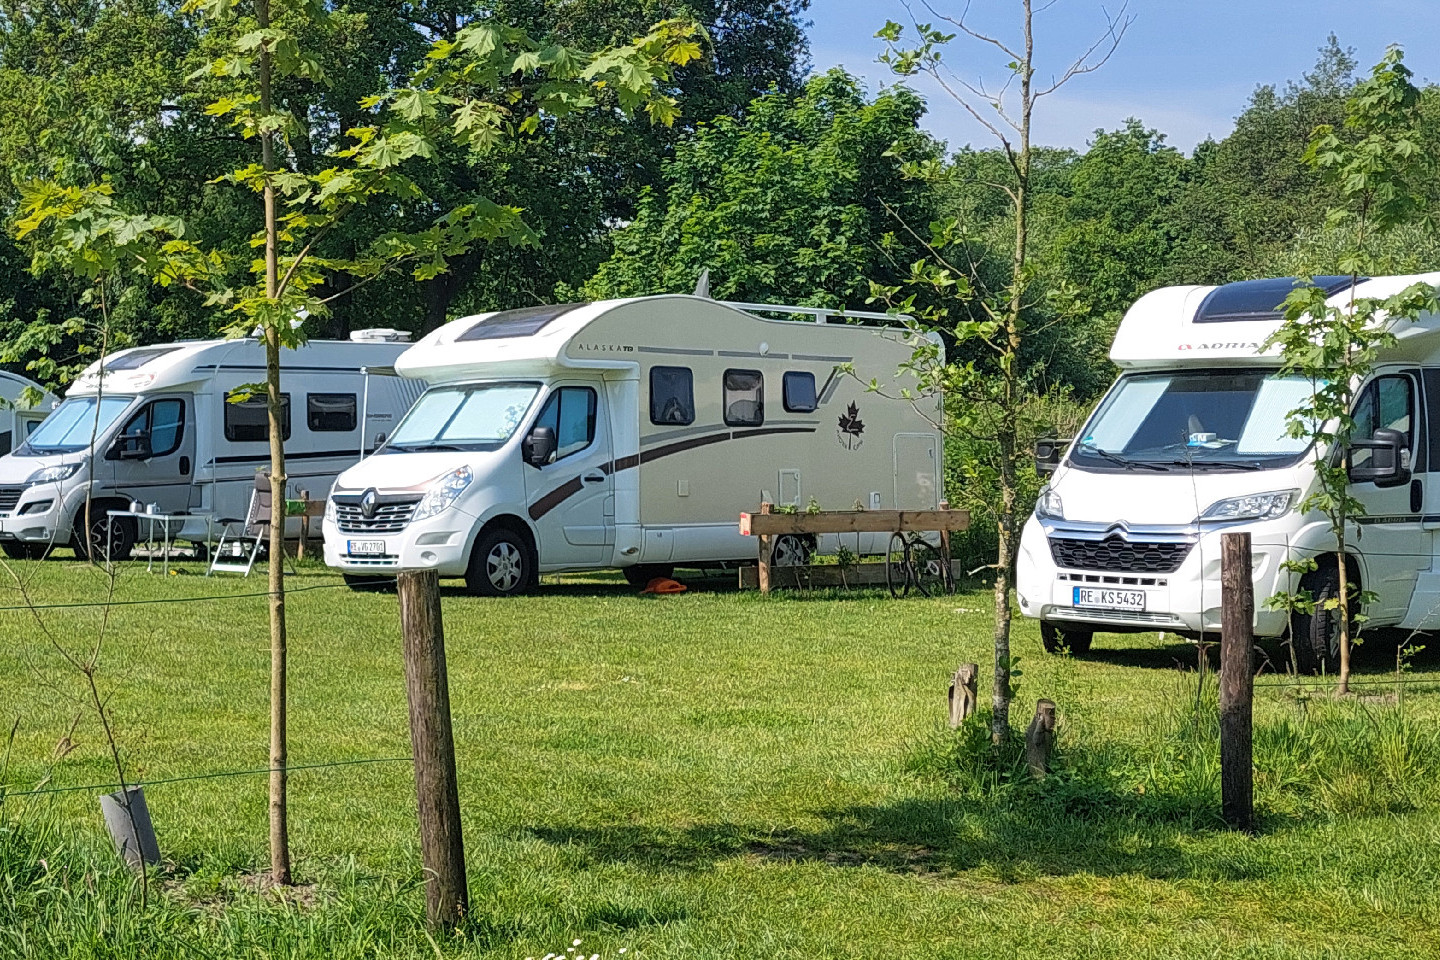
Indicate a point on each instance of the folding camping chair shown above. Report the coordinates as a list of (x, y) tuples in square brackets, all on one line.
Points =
[(244, 547)]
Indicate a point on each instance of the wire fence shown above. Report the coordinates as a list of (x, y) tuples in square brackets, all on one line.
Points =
[(211, 598), (6, 793)]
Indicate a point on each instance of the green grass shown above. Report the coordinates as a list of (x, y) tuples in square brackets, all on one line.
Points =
[(714, 774)]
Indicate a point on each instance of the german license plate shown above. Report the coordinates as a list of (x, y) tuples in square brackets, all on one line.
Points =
[(362, 548), (1110, 599)]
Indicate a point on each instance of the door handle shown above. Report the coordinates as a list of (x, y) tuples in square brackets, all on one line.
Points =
[(184, 466), (593, 478)]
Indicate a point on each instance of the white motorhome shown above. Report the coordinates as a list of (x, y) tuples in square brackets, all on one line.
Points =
[(164, 434), (630, 434), (23, 404), (1191, 442)]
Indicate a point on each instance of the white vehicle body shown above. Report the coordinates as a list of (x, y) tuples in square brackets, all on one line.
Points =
[(17, 415), (673, 415), (166, 435), (1190, 443)]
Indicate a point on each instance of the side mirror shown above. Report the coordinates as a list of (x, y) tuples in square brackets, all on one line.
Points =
[(133, 446), (539, 447), (1048, 454), (1389, 462)]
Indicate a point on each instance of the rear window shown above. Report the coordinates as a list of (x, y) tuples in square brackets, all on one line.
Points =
[(799, 392), (744, 398), (330, 412), (248, 421), (672, 396), (525, 322)]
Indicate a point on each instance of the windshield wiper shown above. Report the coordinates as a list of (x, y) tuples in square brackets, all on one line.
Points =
[(1218, 464), (1127, 464), (427, 447)]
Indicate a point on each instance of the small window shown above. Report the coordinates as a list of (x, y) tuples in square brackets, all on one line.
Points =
[(163, 422), (524, 322), (248, 421), (672, 396), (135, 359), (330, 412), (799, 392), (570, 412), (1389, 403), (744, 398), (6, 440)]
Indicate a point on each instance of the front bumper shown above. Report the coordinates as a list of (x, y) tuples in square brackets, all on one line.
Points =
[(1185, 600), (38, 517), (440, 543)]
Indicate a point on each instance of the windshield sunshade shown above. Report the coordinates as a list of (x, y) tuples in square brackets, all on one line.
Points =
[(524, 322), (74, 422), (1258, 299), (475, 417)]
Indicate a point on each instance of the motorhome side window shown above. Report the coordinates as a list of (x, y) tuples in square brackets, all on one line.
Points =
[(1386, 403), (744, 398), (799, 392), (672, 396), (161, 422), (570, 412), (330, 412), (248, 421)]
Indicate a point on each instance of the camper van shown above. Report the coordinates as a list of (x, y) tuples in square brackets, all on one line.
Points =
[(167, 438), (631, 434), (1191, 443), (23, 404)]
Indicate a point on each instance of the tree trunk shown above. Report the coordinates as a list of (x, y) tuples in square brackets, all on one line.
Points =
[(279, 826)]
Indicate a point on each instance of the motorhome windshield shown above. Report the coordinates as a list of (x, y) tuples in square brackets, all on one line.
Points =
[(1217, 419), (73, 423), (466, 417)]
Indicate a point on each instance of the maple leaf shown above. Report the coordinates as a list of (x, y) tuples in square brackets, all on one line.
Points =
[(850, 421)]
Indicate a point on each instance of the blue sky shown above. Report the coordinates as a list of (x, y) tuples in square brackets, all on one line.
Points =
[(1186, 67)]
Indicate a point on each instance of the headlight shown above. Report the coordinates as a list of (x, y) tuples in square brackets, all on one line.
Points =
[(1256, 506), (329, 510), (1049, 507), (443, 492), (63, 471)]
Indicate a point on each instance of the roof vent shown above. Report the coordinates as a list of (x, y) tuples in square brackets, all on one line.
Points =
[(380, 335), (1258, 299)]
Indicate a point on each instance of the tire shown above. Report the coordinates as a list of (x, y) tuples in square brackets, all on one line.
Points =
[(1057, 640), (897, 567), (501, 564), (642, 573), (368, 582), (790, 550), (930, 575), (1315, 637), (117, 535), (20, 550)]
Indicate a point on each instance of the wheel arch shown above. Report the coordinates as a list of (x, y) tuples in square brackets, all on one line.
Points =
[(516, 525)]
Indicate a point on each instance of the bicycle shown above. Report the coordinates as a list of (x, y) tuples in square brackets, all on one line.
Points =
[(914, 561)]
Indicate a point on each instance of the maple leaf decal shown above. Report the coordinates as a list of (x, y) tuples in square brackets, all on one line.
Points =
[(850, 421)]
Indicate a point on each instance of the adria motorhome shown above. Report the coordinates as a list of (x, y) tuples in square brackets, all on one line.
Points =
[(631, 434), (1191, 442)]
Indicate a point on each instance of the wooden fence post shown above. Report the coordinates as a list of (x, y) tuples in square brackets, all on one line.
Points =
[(766, 542), (442, 850), (304, 524), (963, 694), (1237, 604), (1040, 739), (945, 535)]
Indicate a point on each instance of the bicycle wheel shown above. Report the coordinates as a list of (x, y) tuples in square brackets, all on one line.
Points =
[(897, 566), (932, 578)]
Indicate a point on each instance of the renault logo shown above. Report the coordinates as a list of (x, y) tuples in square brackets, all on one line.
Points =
[(367, 503)]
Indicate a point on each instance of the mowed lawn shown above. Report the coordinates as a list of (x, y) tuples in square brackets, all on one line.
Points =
[(713, 774)]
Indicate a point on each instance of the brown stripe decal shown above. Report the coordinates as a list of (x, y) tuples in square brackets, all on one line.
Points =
[(573, 486)]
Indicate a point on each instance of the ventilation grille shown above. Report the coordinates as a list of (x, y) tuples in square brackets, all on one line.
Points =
[(1114, 555), (391, 514), (9, 496)]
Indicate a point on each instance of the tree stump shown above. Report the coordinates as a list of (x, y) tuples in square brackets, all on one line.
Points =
[(1040, 739), (963, 695)]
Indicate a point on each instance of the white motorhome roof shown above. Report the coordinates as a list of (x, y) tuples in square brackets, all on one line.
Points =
[(174, 365), (532, 341), (1207, 325)]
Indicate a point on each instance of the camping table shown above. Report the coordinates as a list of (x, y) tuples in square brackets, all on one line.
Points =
[(166, 519)]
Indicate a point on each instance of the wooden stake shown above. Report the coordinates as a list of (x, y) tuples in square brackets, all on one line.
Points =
[(766, 544), (1040, 739), (304, 524), (442, 849), (963, 693), (1237, 602)]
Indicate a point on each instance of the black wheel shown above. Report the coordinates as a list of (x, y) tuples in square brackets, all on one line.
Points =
[(19, 550), (790, 550), (368, 582), (501, 564), (1316, 636), (1057, 640), (642, 573), (897, 566), (931, 577), (111, 538)]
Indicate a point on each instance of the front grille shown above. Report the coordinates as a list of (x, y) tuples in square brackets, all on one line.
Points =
[(1115, 555), (392, 513), (9, 496)]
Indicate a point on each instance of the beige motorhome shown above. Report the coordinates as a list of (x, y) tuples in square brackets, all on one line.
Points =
[(631, 434)]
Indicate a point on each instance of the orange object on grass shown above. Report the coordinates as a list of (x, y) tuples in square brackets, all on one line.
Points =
[(663, 585)]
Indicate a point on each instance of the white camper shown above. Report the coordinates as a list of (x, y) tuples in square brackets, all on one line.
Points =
[(23, 404), (1191, 442), (165, 435), (630, 434)]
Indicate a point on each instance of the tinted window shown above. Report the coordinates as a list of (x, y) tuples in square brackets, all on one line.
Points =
[(744, 398), (5, 442), (330, 412), (134, 359), (570, 412), (1388, 403), (163, 421), (799, 392), (672, 396), (524, 322), (248, 422)]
